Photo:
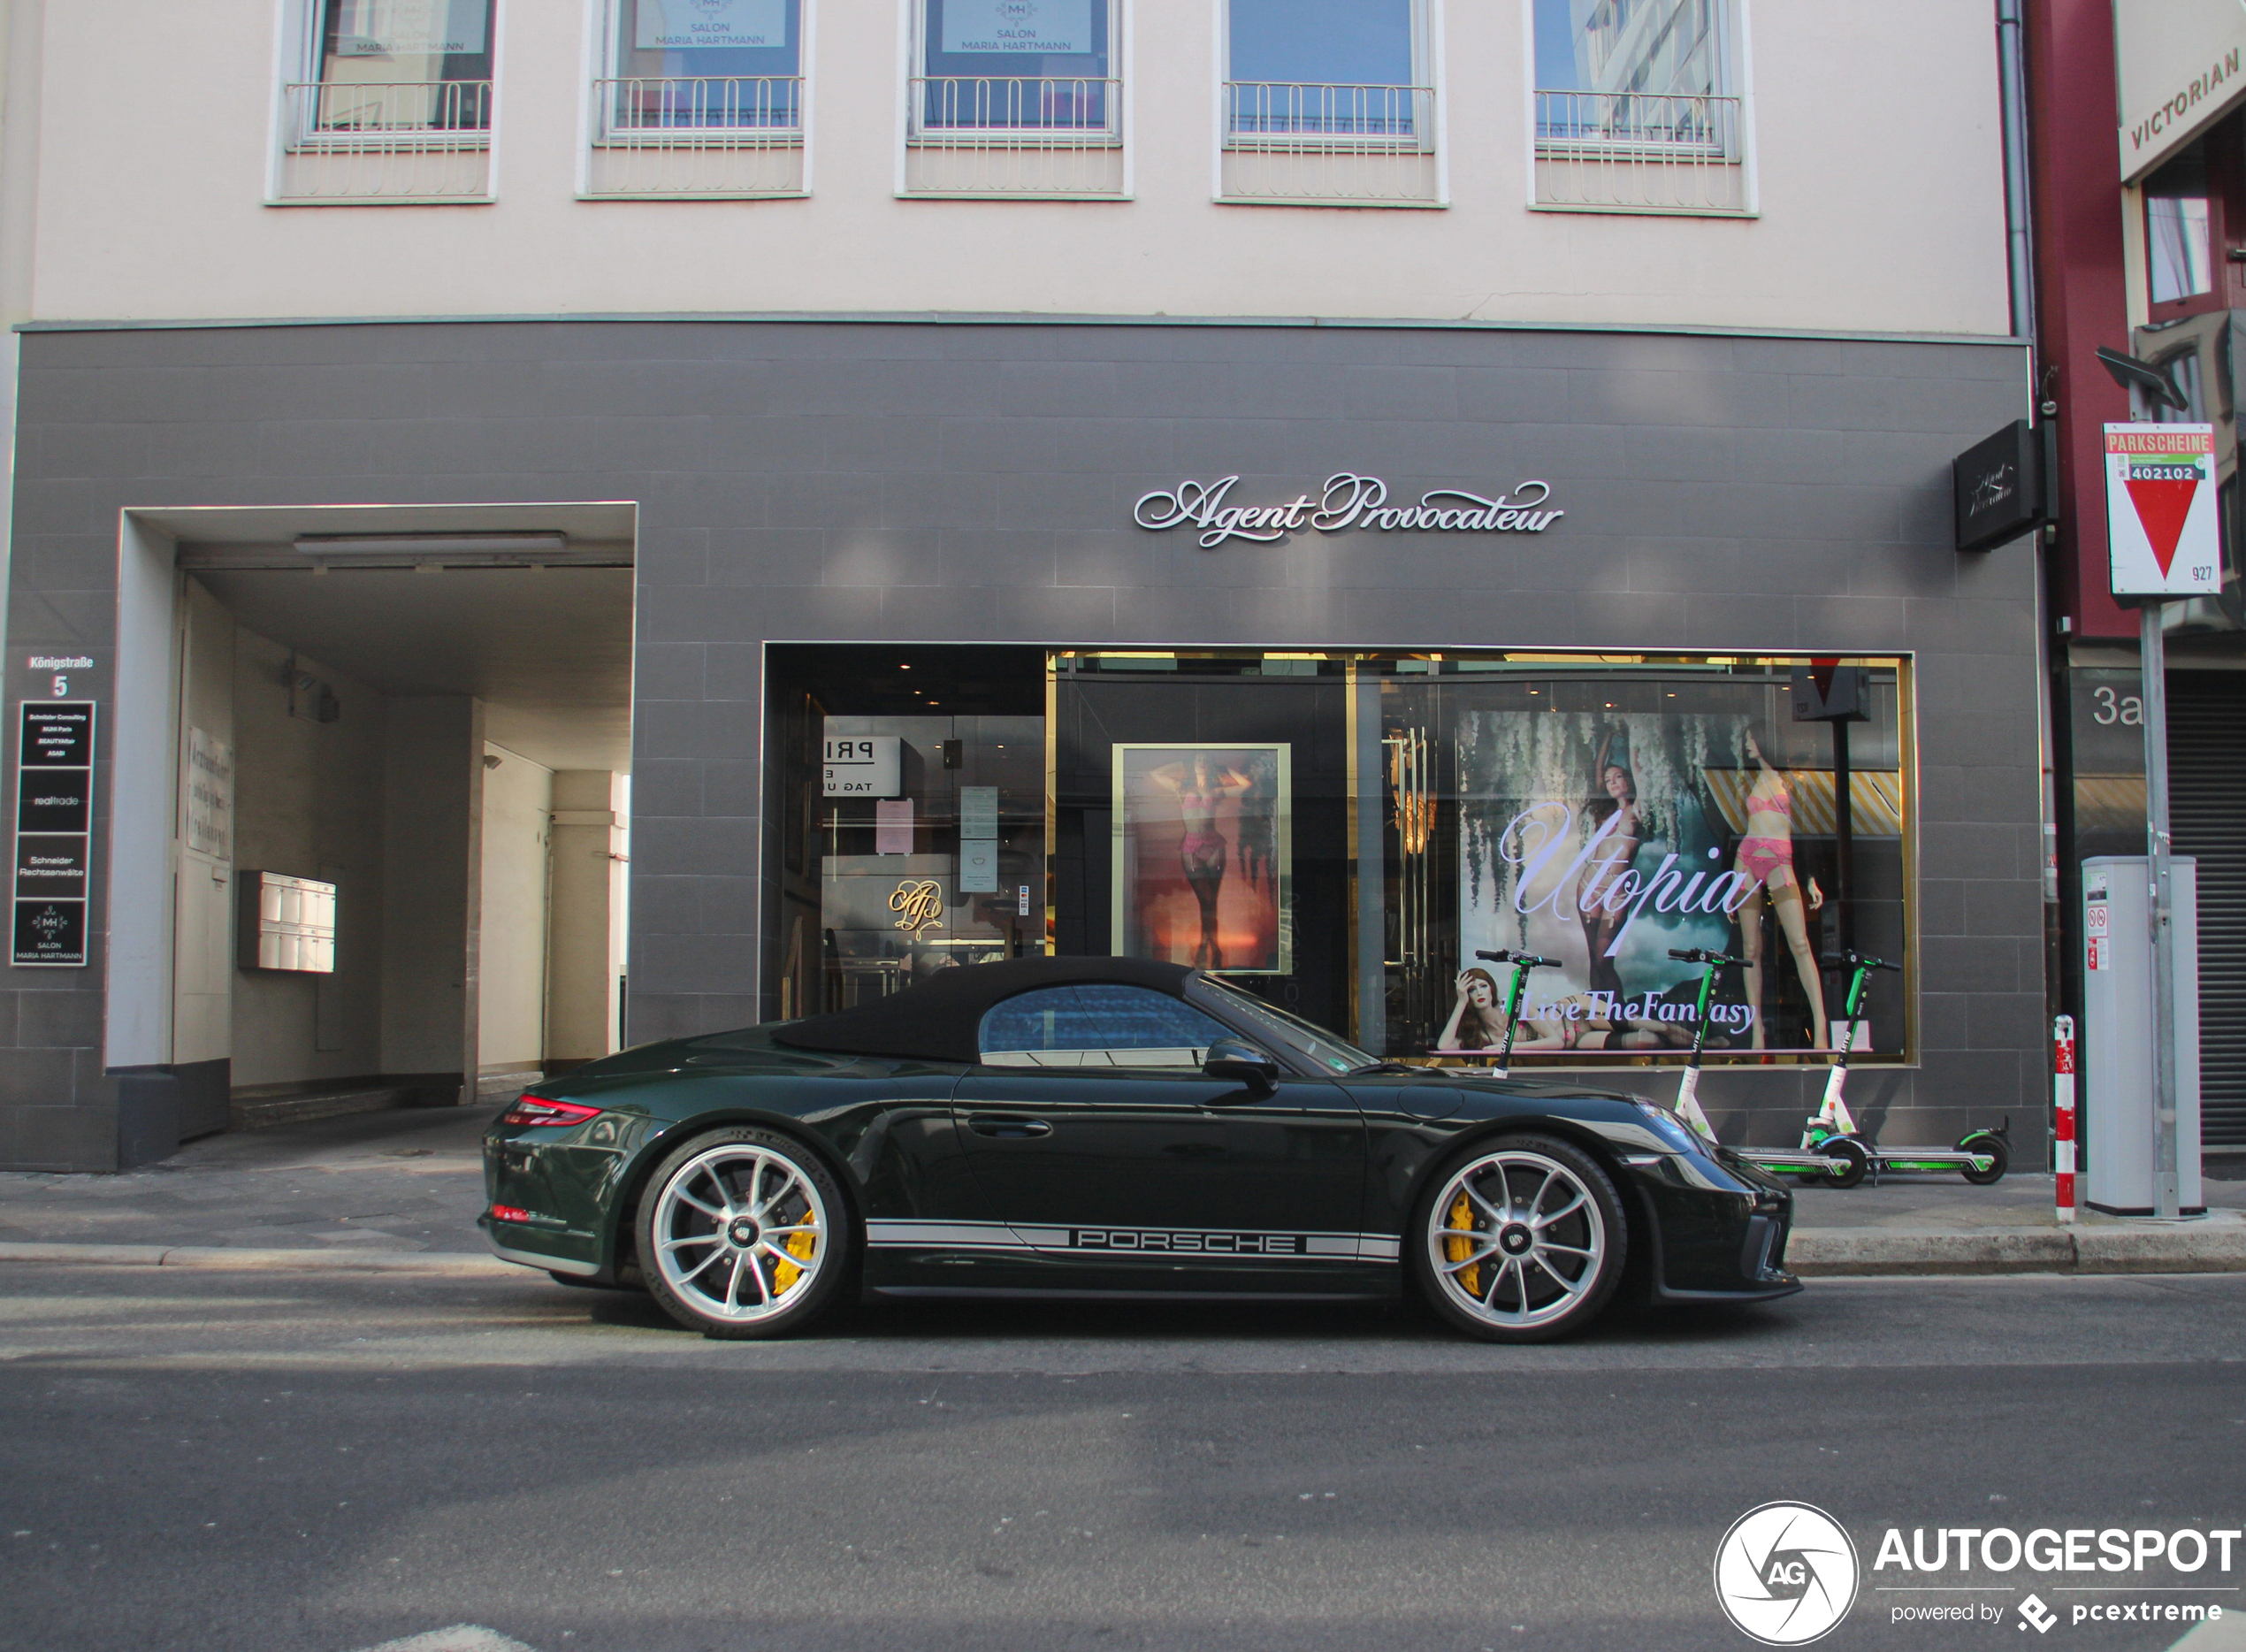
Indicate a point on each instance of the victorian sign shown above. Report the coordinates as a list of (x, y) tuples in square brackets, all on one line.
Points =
[(1347, 501)]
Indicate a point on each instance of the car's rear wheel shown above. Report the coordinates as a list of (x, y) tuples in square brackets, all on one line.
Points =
[(1520, 1240), (743, 1233)]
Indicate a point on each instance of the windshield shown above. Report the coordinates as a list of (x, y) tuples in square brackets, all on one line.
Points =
[(1292, 1031)]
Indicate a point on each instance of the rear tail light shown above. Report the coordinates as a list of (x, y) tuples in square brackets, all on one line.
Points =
[(538, 1110), (509, 1213)]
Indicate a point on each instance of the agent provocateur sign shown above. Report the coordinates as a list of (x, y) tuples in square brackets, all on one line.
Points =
[(1347, 500)]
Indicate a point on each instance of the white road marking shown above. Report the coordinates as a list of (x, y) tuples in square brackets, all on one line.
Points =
[(459, 1638)]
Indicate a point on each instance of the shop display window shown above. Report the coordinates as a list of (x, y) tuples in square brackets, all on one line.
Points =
[(1340, 834)]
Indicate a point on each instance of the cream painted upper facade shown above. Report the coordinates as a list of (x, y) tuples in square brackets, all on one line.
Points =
[(1874, 134)]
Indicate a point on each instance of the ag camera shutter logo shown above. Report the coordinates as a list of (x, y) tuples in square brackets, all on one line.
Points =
[(1785, 1573)]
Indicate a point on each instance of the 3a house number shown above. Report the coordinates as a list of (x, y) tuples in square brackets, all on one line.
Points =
[(2122, 708)]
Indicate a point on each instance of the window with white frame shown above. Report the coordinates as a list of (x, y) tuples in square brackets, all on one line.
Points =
[(1647, 73), (1330, 69), (1041, 68), (707, 67), (386, 70), (1639, 106)]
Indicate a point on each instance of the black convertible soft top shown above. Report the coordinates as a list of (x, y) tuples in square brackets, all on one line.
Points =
[(937, 1019)]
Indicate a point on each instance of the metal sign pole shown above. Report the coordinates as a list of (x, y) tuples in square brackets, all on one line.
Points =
[(2166, 1166)]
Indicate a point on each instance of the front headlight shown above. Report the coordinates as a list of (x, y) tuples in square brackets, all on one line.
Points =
[(1670, 1128)]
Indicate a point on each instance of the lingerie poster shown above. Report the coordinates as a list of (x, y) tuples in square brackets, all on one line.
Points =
[(1203, 856), (1607, 839)]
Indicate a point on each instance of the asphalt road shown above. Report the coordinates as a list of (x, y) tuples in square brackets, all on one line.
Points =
[(324, 1461)]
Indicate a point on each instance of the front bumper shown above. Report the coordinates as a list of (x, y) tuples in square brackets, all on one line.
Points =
[(1719, 1228)]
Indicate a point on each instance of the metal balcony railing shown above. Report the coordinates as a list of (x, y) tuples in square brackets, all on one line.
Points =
[(698, 135), (397, 140), (1307, 141), (1641, 151), (399, 114), (1014, 135), (710, 109)]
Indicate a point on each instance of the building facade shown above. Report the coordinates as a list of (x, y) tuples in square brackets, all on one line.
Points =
[(611, 522)]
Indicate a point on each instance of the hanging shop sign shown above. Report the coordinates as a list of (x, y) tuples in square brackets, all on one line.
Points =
[(2160, 510), (1347, 500), (2000, 486), (54, 832)]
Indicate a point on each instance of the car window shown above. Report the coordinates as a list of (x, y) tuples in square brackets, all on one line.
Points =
[(1329, 1054), (1097, 1026)]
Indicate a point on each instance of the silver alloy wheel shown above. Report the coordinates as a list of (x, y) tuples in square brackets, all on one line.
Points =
[(1516, 1239), (740, 1233)]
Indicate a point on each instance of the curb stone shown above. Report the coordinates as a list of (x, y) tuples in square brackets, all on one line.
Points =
[(2213, 1249)]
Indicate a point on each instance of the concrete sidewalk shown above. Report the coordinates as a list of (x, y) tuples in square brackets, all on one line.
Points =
[(401, 1190)]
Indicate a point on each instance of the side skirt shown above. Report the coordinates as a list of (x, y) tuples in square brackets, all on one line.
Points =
[(895, 1292)]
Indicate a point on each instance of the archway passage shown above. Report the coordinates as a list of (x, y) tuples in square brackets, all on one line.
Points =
[(401, 811)]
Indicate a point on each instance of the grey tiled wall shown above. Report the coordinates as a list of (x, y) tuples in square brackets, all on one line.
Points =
[(808, 481)]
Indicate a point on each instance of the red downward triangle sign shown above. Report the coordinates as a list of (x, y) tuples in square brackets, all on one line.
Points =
[(2162, 505)]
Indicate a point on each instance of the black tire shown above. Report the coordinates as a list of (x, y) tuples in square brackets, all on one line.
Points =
[(1545, 1205), (1858, 1162), (2000, 1158), (704, 1241)]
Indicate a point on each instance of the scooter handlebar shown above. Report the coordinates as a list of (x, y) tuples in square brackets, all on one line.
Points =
[(1527, 960), (1702, 955), (1861, 960)]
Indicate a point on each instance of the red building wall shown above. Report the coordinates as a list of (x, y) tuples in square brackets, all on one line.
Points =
[(2080, 297)]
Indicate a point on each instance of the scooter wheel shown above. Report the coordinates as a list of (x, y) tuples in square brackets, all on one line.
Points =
[(1857, 1163), (1999, 1158)]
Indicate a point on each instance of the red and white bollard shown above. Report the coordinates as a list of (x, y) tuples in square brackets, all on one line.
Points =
[(2063, 1099)]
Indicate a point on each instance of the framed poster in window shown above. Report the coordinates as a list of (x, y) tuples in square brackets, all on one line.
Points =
[(1203, 856)]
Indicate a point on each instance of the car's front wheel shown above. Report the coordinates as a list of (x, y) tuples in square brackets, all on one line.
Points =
[(1519, 1239), (743, 1233)]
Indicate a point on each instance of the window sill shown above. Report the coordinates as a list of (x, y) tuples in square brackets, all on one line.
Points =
[(379, 201), (693, 195), (1353, 203)]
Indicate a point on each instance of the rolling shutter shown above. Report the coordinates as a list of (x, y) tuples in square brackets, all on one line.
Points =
[(2207, 813)]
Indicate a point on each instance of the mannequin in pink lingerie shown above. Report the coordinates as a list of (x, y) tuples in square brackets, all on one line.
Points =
[(1766, 859)]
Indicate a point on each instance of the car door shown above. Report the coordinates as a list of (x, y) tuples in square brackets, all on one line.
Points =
[(1096, 1137)]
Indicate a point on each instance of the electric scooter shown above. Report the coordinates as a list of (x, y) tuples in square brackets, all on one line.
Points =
[(1798, 1162), (1522, 962), (1981, 1156)]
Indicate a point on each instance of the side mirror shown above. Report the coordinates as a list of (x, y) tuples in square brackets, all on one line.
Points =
[(1238, 1062)]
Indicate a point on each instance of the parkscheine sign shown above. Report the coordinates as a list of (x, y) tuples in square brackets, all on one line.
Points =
[(1347, 500), (2160, 507)]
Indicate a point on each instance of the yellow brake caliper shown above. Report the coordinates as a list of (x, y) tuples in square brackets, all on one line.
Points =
[(802, 1246), (1457, 1250)]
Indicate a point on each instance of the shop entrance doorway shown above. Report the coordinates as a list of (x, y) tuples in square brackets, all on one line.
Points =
[(394, 819)]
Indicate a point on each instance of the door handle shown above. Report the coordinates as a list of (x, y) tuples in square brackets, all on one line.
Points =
[(1008, 1126)]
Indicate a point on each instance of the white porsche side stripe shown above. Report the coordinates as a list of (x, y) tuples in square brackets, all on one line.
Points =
[(1192, 1243)]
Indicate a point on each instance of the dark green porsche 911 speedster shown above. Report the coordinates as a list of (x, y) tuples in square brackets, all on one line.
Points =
[(1081, 1126)]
